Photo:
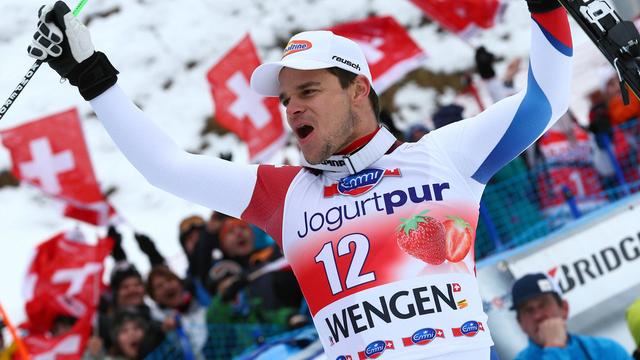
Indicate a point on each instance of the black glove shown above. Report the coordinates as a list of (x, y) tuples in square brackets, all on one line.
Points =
[(542, 6), (148, 247), (117, 252), (65, 44), (484, 63)]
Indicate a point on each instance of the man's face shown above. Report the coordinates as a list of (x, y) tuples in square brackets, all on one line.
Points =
[(167, 291), (130, 292), (534, 311), (319, 111)]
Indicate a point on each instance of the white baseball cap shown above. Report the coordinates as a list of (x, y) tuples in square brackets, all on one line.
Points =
[(311, 50)]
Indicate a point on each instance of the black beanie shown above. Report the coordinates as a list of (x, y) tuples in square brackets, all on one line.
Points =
[(120, 273)]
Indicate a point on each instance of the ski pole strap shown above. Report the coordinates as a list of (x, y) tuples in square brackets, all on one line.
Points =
[(36, 65)]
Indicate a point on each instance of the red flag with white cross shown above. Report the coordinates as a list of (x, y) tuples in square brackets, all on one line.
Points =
[(462, 17), (390, 51), (50, 153), (68, 346), (64, 278), (255, 119)]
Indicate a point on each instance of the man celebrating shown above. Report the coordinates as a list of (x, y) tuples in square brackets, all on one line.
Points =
[(378, 233), (542, 315)]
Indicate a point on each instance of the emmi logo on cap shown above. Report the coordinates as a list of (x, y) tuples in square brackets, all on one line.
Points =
[(296, 45), (346, 62)]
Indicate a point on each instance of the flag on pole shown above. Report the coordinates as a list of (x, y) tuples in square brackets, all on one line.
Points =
[(62, 278), (255, 119), (390, 51), (462, 17), (50, 153)]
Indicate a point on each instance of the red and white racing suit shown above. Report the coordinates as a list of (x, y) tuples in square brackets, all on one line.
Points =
[(371, 285)]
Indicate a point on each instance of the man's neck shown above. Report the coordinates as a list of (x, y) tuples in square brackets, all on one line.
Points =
[(358, 143)]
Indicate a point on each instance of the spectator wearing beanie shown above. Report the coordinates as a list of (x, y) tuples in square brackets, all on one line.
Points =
[(127, 286), (126, 283), (633, 320), (199, 239), (274, 297), (447, 114)]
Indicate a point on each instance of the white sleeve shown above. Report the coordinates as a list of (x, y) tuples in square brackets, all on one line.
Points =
[(215, 183)]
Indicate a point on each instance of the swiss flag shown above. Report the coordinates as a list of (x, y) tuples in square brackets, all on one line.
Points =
[(64, 278), (462, 17), (390, 51), (51, 153), (69, 346), (255, 119)]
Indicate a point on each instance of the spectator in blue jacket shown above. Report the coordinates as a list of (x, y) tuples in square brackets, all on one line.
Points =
[(542, 315)]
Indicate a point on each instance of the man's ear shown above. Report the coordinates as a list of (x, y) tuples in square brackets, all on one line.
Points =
[(361, 88), (565, 309)]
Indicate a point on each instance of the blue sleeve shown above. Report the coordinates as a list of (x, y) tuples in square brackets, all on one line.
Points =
[(609, 349), (544, 354), (481, 145)]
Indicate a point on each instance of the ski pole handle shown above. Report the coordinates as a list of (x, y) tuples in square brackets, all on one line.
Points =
[(32, 71)]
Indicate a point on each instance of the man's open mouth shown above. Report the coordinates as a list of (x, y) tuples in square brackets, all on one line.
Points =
[(304, 131)]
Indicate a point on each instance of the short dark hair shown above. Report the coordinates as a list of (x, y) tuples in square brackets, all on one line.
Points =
[(346, 78), (156, 272)]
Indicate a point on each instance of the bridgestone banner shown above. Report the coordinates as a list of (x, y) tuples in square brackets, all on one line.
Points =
[(592, 265)]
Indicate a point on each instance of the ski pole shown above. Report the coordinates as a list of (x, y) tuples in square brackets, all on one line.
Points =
[(36, 65)]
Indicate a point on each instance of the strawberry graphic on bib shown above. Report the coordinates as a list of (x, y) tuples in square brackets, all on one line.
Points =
[(423, 237)]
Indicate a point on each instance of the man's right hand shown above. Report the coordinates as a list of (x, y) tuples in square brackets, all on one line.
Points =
[(61, 40), (65, 44), (553, 332)]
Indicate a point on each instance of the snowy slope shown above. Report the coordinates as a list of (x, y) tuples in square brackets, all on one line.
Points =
[(163, 49)]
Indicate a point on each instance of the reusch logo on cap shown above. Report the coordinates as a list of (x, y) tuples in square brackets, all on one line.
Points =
[(295, 46), (346, 62)]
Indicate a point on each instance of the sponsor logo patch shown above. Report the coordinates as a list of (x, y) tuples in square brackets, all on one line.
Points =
[(468, 329), (359, 183), (295, 46), (423, 337), (344, 357), (375, 349)]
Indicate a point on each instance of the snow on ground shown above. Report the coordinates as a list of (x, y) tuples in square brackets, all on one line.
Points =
[(163, 50)]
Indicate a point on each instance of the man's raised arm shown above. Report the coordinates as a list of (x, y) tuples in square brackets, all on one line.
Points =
[(481, 145), (65, 44)]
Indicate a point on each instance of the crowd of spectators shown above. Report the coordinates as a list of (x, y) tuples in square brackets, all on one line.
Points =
[(226, 282)]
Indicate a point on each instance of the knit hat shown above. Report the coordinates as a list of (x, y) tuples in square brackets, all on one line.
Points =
[(447, 114), (231, 224), (120, 273), (633, 320), (188, 225)]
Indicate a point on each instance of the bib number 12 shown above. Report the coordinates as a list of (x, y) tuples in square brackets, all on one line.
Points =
[(354, 274)]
